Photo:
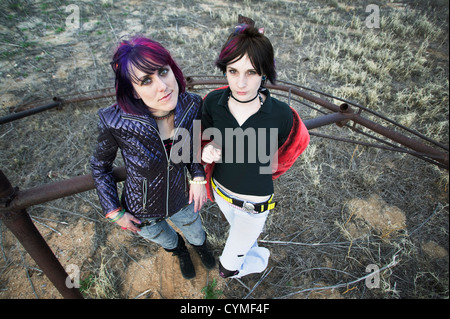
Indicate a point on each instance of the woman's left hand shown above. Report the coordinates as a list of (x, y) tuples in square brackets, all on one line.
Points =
[(197, 192)]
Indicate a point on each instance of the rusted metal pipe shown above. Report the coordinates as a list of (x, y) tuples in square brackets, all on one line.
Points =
[(13, 214), (57, 102), (413, 144), (191, 81), (339, 118), (19, 115), (389, 133), (48, 192), (21, 225)]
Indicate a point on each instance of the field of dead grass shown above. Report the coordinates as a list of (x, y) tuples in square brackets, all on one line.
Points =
[(342, 208)]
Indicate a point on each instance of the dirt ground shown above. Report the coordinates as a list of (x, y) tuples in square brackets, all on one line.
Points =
[(341, 207), (148, 276)]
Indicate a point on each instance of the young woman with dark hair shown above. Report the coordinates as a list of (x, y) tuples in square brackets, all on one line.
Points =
[(241, 183), (152, 107)]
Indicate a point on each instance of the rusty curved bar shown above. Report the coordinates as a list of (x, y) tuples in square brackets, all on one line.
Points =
[(20, 224), (349, 114), (365, 109), (48, 192), (13, 205), (340, 116)]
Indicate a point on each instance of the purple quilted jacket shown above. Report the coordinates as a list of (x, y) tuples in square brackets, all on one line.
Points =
[(154, 186)]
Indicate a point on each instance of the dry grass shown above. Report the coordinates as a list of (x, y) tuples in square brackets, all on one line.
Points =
[(321, 238)]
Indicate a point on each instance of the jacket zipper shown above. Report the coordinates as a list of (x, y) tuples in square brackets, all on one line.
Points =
[(170, 155), (169, 166), (144, 195)]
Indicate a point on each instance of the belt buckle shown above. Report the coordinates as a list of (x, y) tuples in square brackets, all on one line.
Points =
[(248, 207)]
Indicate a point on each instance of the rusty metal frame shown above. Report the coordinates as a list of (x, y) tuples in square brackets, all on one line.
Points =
[(58, 102), (340, 115), (345, 113), (14, 202)]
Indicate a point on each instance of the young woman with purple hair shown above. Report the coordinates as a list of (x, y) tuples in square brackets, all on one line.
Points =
[(152, 108)]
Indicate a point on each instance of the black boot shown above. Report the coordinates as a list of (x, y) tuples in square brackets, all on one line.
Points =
[(186, 265), (206, 256), (225, 273)]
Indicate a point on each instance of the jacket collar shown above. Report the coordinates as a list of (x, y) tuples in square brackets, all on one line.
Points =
[(181, 108)]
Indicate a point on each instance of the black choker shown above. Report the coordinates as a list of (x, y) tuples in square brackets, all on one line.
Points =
[(257, 94), (159, 118)]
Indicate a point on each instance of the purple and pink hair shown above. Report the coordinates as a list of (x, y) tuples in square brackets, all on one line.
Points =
[(147, 56), (248, 40)]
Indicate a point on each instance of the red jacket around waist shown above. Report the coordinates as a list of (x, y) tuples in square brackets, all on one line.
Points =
[(287, 153)]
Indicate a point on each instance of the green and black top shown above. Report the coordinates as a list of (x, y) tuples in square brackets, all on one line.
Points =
[(247, 149)]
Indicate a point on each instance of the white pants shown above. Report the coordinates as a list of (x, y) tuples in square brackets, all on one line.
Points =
[(241, 251)]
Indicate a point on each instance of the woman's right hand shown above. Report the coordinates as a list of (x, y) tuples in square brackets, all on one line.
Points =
[(126, 222), (211, 154)]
